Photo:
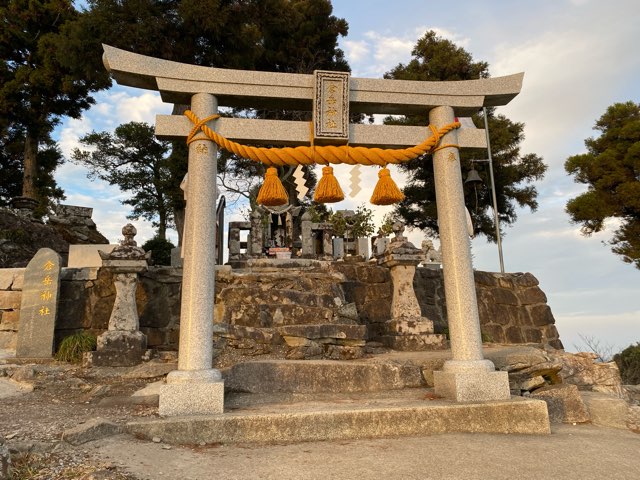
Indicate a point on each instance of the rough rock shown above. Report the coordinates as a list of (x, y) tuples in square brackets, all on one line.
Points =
[(5, 460), (606, 410), (528, 367), (25, 373), (93, 429), (633, 419), (564, 403), (11, 388), (150, 370), (582, 370)]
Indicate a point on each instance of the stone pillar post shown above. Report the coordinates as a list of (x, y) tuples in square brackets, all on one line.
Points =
[(307, 236), (468, 377), (196, 388), (233, 242), (256, 238)]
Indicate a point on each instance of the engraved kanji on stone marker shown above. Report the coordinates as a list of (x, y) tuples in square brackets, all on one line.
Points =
[(331, 107), (39, 305)]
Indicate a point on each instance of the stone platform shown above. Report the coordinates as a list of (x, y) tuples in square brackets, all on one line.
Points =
[(251, 418)]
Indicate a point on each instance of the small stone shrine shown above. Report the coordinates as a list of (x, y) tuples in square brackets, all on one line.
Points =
[(407, 329), (123, 344), (39, 305)]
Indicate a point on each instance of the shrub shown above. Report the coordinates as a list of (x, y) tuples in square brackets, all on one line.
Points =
[(160, 250), (73, 346), (628, 361)]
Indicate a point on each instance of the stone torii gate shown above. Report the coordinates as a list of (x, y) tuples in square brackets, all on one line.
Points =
[(196, 388)]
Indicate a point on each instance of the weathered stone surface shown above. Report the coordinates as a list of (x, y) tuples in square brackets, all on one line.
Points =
[(311, 376), (91, 430), (324, 331), (414, 343), (118, 349), (581, 370), (606, 410), (511, 416), (633, 419), (39, 305), (148, 370), (8, 277), (184, 399), (9, 320), (564, 403)]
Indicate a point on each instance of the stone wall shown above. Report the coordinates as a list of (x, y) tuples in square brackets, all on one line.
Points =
[(252, 308), (512, 307), (10, 297)]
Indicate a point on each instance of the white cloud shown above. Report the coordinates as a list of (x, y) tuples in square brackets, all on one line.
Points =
[(356, 52)]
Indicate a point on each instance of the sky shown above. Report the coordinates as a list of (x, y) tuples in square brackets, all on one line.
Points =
[(579, 57)]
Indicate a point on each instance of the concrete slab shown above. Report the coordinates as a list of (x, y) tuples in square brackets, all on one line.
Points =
[(342, 419)]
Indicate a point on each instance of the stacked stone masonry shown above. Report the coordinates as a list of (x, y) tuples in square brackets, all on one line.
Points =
[(325, 311)]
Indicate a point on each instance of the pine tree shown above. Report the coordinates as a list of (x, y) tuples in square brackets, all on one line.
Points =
[(438, 59), (611, 171), (36, 89)]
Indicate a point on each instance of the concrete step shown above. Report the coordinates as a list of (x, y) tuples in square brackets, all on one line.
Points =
[(294, 418), (321, 376)]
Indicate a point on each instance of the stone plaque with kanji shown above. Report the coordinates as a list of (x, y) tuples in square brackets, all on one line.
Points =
[(331, 107), (39, 305)]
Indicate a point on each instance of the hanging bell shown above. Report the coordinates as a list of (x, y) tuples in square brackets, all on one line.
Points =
[(473, 177)]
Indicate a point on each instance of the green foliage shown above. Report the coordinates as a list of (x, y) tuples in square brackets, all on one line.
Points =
[(387, 223), (36, 89), (160, 250), (134, 160), (73, 346), (611, 171), (434, 59), (360, 224), (271, 35), (628, 361)]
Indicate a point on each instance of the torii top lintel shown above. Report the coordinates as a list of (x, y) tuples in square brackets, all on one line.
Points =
[(177, 82)]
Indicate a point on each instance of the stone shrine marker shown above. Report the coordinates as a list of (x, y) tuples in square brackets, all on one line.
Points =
[(39, 305)]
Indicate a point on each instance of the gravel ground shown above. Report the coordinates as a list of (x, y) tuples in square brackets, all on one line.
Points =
[(40, 402)]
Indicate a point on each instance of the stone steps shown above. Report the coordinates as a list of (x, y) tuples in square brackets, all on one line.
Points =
[(342, 417), (321, 376)]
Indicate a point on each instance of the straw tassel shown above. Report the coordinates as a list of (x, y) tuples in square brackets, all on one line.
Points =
[(272, 192), (328, 189), (386, 191)]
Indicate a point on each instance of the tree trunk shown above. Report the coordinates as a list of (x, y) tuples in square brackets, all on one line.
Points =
[(162, 224), (30, 164), (178, 217)]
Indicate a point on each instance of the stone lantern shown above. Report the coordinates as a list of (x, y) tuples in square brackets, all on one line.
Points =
[(407, 329), (123, 344)]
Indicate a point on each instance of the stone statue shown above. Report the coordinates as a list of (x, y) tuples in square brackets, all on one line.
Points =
[(398, 230), (430, 253)]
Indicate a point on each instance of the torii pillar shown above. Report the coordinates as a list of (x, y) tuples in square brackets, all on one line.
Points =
[(468, 376), (196, 388)]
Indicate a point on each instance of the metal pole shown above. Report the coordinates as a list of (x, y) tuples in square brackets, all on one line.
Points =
[(493, 190)]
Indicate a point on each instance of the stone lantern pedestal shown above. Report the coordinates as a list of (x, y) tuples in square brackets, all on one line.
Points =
[(407, 329), (123, 344)]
